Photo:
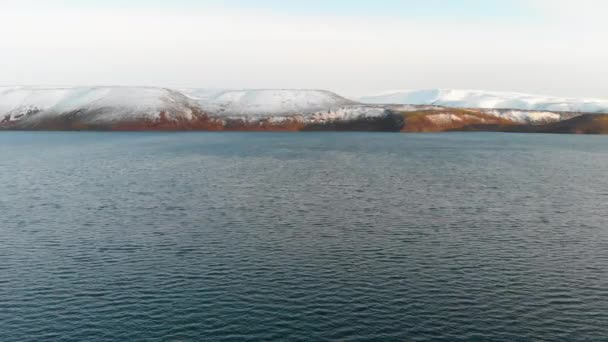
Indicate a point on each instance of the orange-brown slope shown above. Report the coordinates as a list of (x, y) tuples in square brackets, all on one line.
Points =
[(450, 119), (583, 124)]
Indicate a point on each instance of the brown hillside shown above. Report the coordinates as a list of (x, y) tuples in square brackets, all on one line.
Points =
[(448, 119)]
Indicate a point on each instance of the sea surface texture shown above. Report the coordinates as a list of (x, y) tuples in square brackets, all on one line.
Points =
[(303, 237)]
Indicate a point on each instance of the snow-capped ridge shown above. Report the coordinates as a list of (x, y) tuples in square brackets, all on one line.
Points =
[(487, 100), (108, 103), (264, 102)]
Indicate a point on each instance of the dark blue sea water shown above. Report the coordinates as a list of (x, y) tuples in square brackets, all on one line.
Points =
[(303, 237)]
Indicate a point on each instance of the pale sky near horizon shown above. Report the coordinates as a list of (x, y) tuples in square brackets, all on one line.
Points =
[(355, 47)]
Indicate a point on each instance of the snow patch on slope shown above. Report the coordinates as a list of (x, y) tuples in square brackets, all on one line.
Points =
[(533, 117), (345, 113), (443, 118), (349, 113)]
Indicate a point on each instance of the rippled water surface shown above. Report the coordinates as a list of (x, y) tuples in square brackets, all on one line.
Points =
[(311, 236)]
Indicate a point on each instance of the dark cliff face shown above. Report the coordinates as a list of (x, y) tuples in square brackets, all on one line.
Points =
[(388, 123), (584, 124)]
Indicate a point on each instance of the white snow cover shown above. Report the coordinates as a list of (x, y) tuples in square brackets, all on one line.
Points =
[(525, 117), (112, 103), (412, 108), (348, 113), (487, 99), (265, 102), (444, 118)]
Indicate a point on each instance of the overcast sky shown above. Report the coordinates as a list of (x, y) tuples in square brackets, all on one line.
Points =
[(556, 47)]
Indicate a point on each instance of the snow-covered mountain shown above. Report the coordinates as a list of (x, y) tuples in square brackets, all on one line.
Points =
[(265, 102), (153, 108), (101, 105), (107, 107), (488, 99)]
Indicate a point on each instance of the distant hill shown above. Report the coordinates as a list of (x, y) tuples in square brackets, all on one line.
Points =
[(153, 108), (488, 100), (263, 102)]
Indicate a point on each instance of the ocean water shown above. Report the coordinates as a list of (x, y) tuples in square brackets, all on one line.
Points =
[(303, 237)]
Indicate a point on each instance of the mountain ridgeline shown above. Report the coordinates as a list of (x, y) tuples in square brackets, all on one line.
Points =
[(159, 109)]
